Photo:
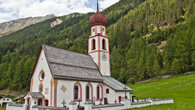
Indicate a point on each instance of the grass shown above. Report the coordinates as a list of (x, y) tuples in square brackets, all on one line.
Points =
[(181, 89), (2, 108)]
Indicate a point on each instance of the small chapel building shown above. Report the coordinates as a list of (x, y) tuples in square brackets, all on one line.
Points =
[(64, 76)]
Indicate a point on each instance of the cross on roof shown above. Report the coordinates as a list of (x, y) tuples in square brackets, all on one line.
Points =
[(97, 6)]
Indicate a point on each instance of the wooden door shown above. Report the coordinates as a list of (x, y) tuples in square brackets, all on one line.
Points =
[(119, 99), (39, 102), (105, 101)]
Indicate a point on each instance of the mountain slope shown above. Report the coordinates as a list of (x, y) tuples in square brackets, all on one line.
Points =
[(15, 25), (181, 89), (132, 57)]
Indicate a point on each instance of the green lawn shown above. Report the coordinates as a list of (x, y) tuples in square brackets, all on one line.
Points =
[(181, 89), (2, 108)]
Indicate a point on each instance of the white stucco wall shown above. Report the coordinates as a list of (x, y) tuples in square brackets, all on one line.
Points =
[(111, 96), (122, 94), (14, 108), (42, 65), (95, 57), (68, 95), (98, 30), (105, 64), (114, 95), (5, 100)]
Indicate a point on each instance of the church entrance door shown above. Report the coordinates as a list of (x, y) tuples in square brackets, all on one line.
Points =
[(120, 99), (46, 102), (105, 101), (39, 102)]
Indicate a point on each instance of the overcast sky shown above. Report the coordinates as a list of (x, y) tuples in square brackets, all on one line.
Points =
[(14, 9)]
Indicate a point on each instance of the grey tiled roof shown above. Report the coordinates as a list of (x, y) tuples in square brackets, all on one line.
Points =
[(36, 94), (114, 84), (71, 65)]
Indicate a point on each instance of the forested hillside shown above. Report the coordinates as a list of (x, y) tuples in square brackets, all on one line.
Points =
[(147, 38)]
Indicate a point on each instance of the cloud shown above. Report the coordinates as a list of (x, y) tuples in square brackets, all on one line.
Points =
[(106, 3), (11, 9)]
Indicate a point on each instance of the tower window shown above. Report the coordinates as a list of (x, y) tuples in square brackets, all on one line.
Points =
[(102, 29), (93, 29), (93, 44), (98, 30), (104, 44)]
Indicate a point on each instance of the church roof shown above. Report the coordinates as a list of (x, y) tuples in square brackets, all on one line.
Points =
[(71, 65), (36, 94), (114, 84), (98, 18)]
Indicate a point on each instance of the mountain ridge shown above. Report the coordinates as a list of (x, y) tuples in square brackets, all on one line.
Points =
[(15, 25)]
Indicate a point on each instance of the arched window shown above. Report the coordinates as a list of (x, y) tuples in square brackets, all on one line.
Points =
[(98, 92), (104, 44), (88, 93), (76, 93), (41, 87), (93, 44)]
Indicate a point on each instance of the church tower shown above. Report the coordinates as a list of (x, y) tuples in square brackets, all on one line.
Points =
[(98, 43)]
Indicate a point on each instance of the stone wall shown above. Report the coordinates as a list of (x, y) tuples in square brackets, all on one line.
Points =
[(126, 104), (12, 106)]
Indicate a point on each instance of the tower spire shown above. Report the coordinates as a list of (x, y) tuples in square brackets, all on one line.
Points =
[(97, 6)]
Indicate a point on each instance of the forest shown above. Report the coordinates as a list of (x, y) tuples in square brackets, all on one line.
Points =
[(148, 38)]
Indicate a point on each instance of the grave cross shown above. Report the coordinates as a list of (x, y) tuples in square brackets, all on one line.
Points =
[(115, 101), (64, 103), (125, 91), (79, 103)]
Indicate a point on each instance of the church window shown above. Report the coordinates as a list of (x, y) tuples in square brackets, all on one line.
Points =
[(102, 29), (41, 75), (93, 29), (107, 91), (98, 29), (104, 44), (40, 87), (76, 94), (93, 44), (88, 92), (98, 92)]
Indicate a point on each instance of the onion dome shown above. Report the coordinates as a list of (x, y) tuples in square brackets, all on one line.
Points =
[(98, 18)]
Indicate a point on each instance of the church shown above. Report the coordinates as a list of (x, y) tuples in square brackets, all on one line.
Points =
[(61, 76)]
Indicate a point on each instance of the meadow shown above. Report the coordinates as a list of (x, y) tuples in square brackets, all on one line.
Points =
[(2, 108), (181, 89)]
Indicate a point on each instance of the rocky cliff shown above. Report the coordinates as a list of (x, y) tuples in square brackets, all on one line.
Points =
[(15, 25)]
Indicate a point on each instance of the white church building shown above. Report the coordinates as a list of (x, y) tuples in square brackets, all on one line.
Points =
[(64, 76)]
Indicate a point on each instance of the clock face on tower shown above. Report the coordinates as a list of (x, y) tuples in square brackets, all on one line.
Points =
[(104, 57)]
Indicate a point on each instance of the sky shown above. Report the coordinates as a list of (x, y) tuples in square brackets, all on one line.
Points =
[(14, 9)]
